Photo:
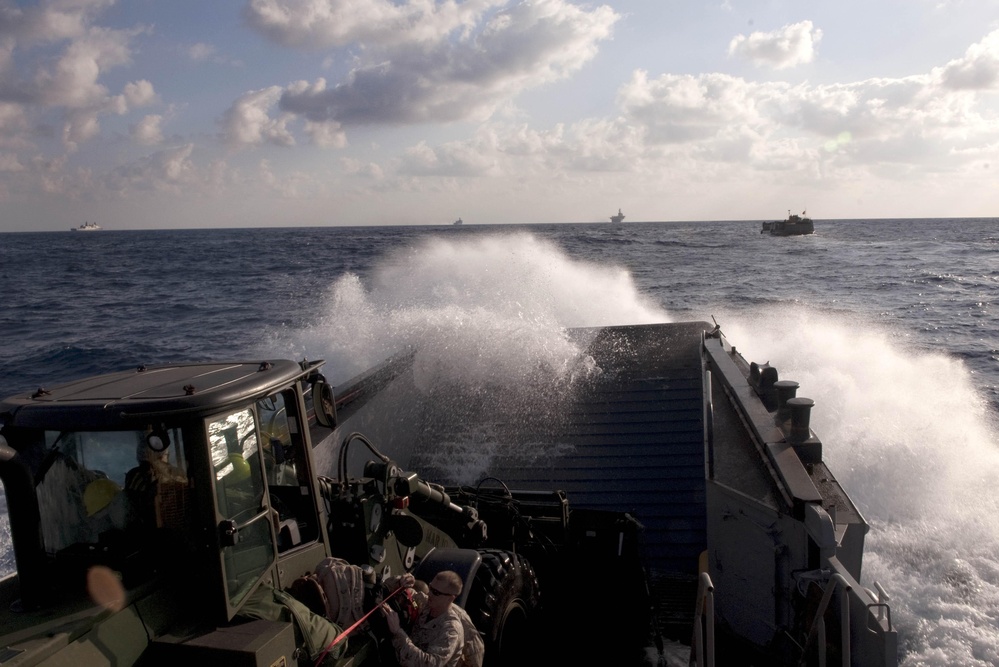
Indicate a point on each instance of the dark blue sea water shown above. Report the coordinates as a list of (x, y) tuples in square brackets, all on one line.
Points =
[(891, 326)]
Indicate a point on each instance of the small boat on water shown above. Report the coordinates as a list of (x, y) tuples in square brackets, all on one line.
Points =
[(86, 227), (795, 225), (617, 218)]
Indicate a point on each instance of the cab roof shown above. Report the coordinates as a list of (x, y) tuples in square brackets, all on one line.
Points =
[(123, 398)]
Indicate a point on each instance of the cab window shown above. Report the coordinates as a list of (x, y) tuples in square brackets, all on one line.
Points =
[(241, 509), (286, 470), (108, 487)]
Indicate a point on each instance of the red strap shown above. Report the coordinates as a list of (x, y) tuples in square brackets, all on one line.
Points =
[(342, 635)]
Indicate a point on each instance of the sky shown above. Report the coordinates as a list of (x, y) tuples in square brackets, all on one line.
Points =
[(144, 114)]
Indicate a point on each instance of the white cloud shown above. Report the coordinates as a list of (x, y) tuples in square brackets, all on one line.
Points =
[(54, 59), (293, 185), (81, 125), (683, 108), (140, 93), (326, 135), (320, 24), (789, 46), (73, 80), (716, 126), (200, 52), (148, 130), (977, 70), (50, 21), (462, 158), (247, 121), (370, 170), (208, 53), (520, 47), (9, 162), (412, 78), (13, 125), (167, 170)]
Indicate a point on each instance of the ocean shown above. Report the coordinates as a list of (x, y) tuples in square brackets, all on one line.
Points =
[(891, 326)]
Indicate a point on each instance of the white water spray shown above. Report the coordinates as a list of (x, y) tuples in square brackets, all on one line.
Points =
[(914, 444), (493, 306)]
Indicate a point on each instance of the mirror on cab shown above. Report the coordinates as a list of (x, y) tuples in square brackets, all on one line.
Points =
[(322, 398)]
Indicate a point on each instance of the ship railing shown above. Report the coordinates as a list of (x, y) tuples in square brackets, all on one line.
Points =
[(703, 654), (882, 603), (817, 633), (848, 596)]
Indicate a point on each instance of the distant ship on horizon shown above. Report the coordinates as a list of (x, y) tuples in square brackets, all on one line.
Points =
[(86, 227), (457, 222), (617, 218)]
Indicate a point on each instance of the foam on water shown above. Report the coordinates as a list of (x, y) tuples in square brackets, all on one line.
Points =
[(914, 444)]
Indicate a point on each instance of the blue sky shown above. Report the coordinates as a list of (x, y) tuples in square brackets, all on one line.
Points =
[(152, 114)]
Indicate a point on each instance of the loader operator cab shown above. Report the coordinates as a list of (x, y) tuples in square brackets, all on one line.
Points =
[(211, 484)]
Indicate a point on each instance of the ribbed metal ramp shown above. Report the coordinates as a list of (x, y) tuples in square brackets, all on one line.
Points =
[(628, 438)]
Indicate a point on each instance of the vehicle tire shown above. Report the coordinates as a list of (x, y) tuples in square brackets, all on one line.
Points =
[(502, 603)]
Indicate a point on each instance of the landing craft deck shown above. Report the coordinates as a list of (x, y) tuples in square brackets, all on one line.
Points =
[(678, 430)]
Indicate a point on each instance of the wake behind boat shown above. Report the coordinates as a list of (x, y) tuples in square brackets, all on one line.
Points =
[(795, 225)]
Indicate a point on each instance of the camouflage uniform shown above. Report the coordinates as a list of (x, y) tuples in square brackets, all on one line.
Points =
[(434, 642)]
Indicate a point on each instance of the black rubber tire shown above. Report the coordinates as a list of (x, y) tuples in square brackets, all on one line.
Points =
[(502, 603)]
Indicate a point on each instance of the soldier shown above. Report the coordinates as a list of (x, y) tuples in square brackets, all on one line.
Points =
[(437, 638)]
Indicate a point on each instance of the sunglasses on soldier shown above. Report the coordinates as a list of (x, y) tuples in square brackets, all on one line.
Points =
[(435, 592)]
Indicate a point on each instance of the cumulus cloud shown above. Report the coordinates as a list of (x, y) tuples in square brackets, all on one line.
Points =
[(789, 46), (54, 59), (327, 134), (148, 130), (675, 108), (905, 119), (248, 121), (427, 74), (320, 24), (977, 70), (48, 22), (139, 94), (353, 167), (167, 170), (463, 158), (716, 126)]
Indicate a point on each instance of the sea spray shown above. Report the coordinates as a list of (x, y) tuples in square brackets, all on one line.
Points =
[(913, 442), (487, 320), (493, 306)]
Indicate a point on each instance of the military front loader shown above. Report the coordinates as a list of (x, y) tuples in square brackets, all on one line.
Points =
[(152, 509)]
